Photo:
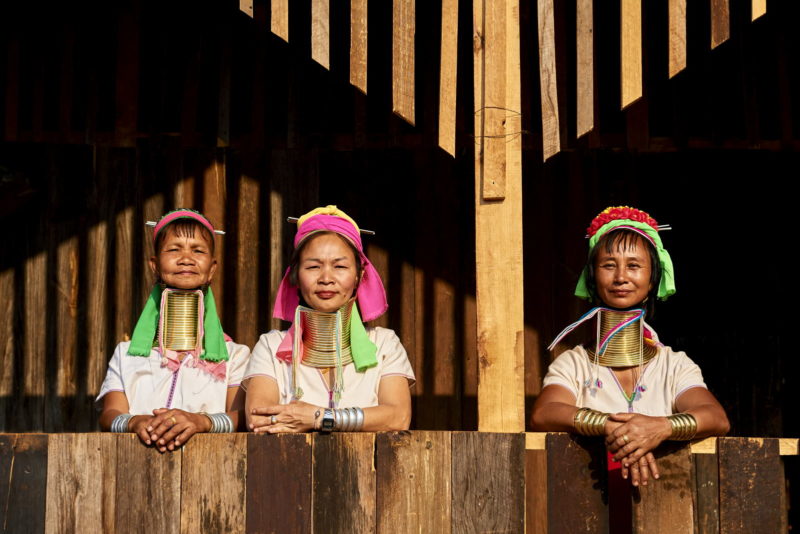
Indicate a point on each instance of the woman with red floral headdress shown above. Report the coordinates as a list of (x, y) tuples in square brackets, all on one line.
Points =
[(625, 385)]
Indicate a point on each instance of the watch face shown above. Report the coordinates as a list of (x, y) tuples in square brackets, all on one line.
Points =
[(327, 421)]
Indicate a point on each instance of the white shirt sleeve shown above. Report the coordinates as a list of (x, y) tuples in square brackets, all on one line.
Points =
[(113, 380), (393, 355), (262, 361), (239, 358), (565, 371)]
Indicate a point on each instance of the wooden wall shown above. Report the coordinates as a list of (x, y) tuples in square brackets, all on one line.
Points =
[(103, 126)]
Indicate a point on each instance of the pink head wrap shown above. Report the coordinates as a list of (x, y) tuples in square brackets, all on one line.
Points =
[(371, 295), (182, 214)]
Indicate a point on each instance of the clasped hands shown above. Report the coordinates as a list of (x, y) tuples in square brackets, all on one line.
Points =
[(631, 438), (168, 429), (295, 417)]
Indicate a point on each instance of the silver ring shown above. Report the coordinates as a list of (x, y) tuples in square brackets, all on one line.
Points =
[(625, 439), (273, 419)]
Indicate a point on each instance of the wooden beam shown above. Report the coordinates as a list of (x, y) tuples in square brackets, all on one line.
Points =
[(551, 139), (358, 44), (403, 31), (448, 75), (720, 22), (498, 216), (584, 40), (279, 21), (677, 36), (631, 51), (35, 342), (215, 198), (321, 32), (759, 8), (246, 7), (667, 505)]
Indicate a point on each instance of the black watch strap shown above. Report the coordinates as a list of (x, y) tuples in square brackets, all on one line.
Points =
[(328, 421)]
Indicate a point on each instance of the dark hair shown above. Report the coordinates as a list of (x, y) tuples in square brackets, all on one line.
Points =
[(294, 262), (622, 240), (184, 228)]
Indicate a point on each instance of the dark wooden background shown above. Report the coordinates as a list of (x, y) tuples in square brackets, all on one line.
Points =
[(111, 114)]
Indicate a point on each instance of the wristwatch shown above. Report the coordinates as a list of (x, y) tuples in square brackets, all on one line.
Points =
[(328, 421)]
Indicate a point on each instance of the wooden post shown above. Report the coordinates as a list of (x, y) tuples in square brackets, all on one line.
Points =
[(551, 133), (706, 468), (23, 483), (498, 216), (358, 44), (448, 75), (759, 7), (246, 6), (214, 201), (667, 505), (279, 22), (34, 344), (585, 66), (677, 36), (403, 31), (321, 32), (720, 22), (631, 51)]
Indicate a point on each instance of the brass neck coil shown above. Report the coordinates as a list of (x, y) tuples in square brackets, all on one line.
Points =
[(180, 319), (627, 348), (319, 336)]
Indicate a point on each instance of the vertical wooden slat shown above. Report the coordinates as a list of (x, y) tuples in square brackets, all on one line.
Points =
[(279, 22), (344, 483), (448, 76), (535, 486), (224, 96), (246, 6), (321, 32), (7, 335), (707, 482), (358, 44), (68, 271), (759, 7), (551, 141), (127, 76), (123, 275), (666, 505), (720, 22), (489, 494), (23, 483), (150, 477), (152, 210), (498, 217), (213, 471), (215, 197), (631, 51), (279, 483), (584, 66), (403, 32), (81, 499), (247, 287), (413, 482), (184, 193), (97, 344), (677, 36), (277, 220), (752, 489), (576, 475), (35, 324)]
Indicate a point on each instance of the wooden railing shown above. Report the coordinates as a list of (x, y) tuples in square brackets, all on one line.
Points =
[(422, 482)]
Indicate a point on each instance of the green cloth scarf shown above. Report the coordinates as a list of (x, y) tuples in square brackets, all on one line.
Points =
[(214, 348), (362, 349)]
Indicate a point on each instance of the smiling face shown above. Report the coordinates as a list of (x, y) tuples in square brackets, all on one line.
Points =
[(184, 260), (622, 273), (327, 272)]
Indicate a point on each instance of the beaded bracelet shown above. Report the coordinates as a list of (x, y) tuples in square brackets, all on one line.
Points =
[(590, 422), (120, 423), (684, 426)]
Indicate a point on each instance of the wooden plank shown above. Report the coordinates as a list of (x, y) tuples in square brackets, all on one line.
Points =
[(150, 477), (81, 499), (152, 210), (184, 193), (754, 464), (247, 260), (759, 7), (215, 197), (23, 482), (321, 32), (127, 76), (358, 44), (576, 478), (677, 36), (584, 65), (535, 440), (489, 495), (631, 51), (720, 22), (551, 139), (344, 483), (8, 337), (279, 473), (448, 76), (246, 7), (123, 275), (788, 446), (666, 505), (34, 344), (97, 343), (705, 446), (706, 467), (224, 96), (403, 32), (213, 471), (279, 22), (535, 490), (498, 197), (413, 482), (66, 304)]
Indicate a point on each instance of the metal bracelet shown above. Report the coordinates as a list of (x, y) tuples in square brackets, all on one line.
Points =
[(588, 422), (684, 426), (348, 419), (220, 423), (120, 423)]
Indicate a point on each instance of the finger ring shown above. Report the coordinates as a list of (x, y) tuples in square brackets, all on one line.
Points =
[(273, 419), (174, 421), (625, 439)]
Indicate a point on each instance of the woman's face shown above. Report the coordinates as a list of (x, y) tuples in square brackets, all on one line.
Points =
[(327, 273), (622, 276), (184, 262)]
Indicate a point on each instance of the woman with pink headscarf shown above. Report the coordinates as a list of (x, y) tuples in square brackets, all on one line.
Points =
[(328, 372)]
